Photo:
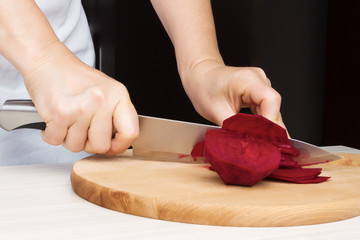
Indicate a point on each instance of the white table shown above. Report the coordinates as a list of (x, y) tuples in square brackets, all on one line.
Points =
[(37, 202)]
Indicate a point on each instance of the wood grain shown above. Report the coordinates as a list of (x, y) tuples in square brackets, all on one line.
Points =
[(190, 193)]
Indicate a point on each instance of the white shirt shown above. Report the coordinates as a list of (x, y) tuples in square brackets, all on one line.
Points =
[(25, 146)]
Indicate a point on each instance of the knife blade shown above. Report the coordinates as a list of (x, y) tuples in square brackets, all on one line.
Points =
[(171, 138), (159, 138), (20, 114)]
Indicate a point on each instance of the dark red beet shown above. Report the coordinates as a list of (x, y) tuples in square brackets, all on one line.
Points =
[(258, 127), (299, 175), (288, 164), (250, 148), (296, 173), (313, 180), (198, 150), (289, 150), (239, 160)]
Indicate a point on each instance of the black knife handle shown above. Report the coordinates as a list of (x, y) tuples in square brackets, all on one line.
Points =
[(38, 126)]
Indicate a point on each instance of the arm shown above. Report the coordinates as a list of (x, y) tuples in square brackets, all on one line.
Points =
[(216, 91), (79, 104)]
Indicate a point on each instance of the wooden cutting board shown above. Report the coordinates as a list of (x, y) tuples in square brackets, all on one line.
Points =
[(191, 193)]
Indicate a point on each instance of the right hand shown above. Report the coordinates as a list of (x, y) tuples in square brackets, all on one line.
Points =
[(80, 105)]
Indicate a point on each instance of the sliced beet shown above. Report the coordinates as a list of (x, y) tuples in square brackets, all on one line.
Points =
[(313, 180), (198, 150), (258, 127), (288, 164), (299, 175), (240, 160), (249, 148), (286, 157), (296, 173), (289, 150)]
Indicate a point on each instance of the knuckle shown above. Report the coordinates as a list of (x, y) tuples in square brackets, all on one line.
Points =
[(134, 134), (130, 135), (60, 112), (120, 90), (97, 95), (74, 147), (275, 96), (124, 141), (82, 110), (260, 71), (53, 142), (268, 82), (254, 72), (52, 139), (97, 148)]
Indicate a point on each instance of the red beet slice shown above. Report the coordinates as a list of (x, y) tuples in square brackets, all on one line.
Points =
[(296, 173), (289, 150), (198, 150), (286, 157), (288, 164), (313, 180), (299, 175), (256, 126), (240, 160)]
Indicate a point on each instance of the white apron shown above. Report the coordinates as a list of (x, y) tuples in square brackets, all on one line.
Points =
[(25, 146)]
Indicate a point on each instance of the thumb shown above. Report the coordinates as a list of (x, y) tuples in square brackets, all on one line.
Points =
[(270, 109), (267, 102)]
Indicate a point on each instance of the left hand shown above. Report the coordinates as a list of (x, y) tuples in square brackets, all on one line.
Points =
[(218, 91)]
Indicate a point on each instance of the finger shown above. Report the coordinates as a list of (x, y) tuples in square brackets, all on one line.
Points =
[(76, 136), (54, 133), (279, 121), (268, 102), (219, 112), (255, 109), (126, 123), (282, 124), (100, 132)]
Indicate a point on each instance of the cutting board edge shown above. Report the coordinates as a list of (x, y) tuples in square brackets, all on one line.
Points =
[(155, 208)]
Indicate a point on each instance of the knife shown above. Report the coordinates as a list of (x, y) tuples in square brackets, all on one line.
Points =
[(159, 138)]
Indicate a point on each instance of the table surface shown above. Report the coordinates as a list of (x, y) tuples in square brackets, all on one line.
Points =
[(37, 202)]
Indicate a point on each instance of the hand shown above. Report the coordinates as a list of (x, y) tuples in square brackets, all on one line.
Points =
[(80, 105), (218, 92)]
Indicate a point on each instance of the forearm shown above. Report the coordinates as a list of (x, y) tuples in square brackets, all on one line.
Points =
[(26, 37), (190, 26)]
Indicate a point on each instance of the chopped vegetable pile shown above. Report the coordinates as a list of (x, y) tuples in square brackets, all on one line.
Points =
[(249, 148)]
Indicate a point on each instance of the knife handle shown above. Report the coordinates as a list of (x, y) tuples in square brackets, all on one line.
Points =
[(17, 114)]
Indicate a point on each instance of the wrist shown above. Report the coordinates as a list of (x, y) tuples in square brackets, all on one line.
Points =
[(55, 61), (198, 68), (54, 54)]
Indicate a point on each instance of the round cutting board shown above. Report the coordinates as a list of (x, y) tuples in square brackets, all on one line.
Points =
[(191, 193)]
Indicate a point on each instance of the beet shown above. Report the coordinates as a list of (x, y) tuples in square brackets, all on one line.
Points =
[(296, 173), (249, 148), (288, 164), (198, 150), (258, 127), (238, 160), (313, 180), (289, 150), (299, 175)]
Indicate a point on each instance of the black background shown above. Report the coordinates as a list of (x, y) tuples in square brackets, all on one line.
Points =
[(309, 49)]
